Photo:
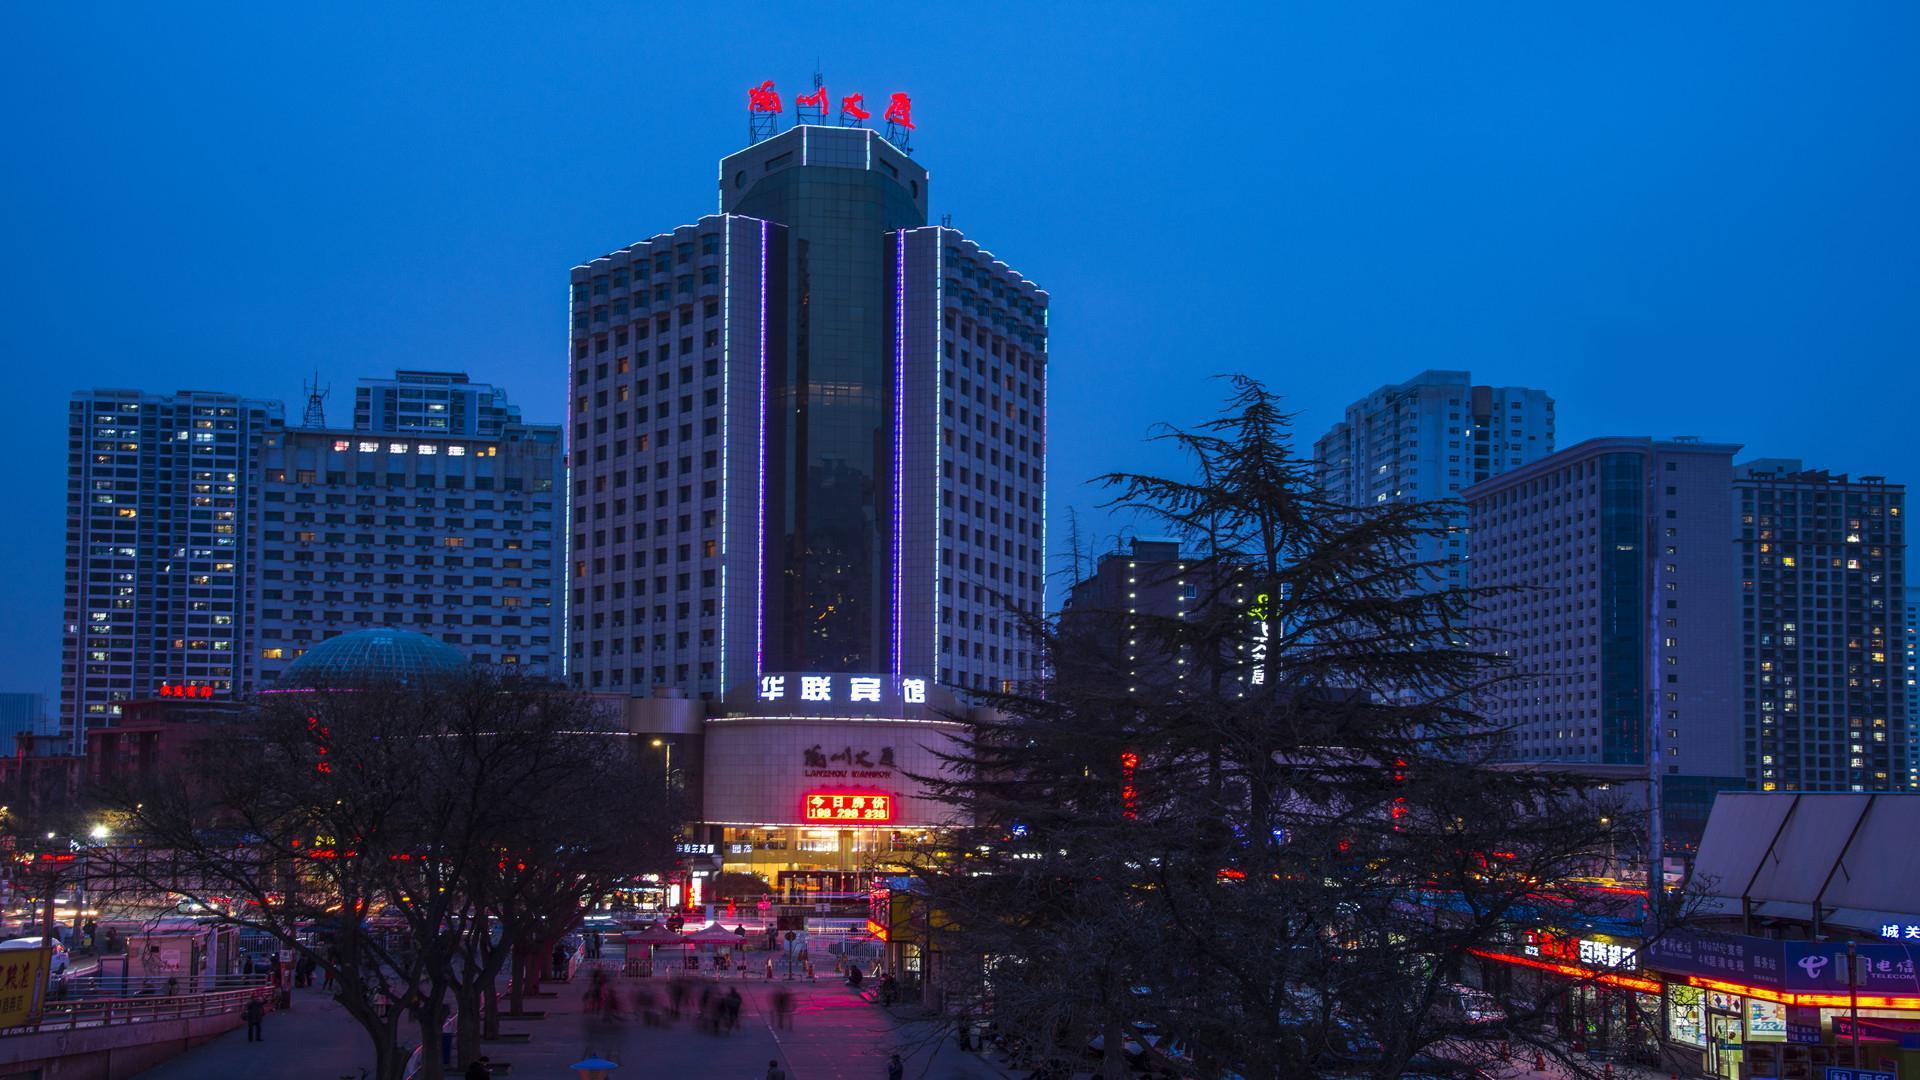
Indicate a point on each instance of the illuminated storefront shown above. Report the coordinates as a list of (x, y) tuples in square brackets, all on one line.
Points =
[(1590, 982), (1755, 1007), (808, 780)]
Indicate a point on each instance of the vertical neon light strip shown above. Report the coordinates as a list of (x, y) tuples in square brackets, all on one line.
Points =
[(760, 533), (1046, 389), (939, 389), (726, 424), (566, 479), (899, 426)]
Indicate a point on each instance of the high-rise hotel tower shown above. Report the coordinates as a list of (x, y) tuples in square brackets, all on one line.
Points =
[(808, 434)]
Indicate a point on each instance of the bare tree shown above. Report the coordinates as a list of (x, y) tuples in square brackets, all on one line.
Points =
[(397, 834)]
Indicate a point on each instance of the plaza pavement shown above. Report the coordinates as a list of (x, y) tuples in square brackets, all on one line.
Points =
[(835, 1035)]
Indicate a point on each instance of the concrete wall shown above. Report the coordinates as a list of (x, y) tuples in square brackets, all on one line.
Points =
[(108, 1053)]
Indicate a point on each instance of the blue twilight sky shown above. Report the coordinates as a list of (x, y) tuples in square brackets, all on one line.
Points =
[(1677, 219)]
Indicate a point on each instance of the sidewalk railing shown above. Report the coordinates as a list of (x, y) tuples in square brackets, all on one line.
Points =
[(98, 1012), (98, 984)]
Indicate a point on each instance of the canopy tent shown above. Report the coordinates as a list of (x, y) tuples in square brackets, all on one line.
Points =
[(715, 934), (641, 943)]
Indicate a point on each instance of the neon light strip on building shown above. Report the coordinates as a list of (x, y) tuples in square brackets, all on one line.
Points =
[(760, 554), (1629, 982), (726, 423), (939, 382)]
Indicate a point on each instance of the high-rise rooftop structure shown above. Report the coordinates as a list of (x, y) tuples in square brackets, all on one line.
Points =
[(1823, 607), (808, 434), (1428, 439), (159, 562), (432, 403)]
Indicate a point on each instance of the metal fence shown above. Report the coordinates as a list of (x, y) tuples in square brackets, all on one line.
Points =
[(97, 1012)]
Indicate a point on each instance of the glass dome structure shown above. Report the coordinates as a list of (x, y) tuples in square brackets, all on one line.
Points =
[(380, 655)]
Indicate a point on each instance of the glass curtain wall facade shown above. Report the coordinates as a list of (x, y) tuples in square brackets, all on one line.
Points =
[(829, 603)]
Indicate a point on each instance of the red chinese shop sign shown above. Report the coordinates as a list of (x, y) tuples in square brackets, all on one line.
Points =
[(846, 807)]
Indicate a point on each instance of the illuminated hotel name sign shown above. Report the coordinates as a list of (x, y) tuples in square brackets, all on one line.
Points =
[(765, 100), (850, 689), (847, 808), (184, 690)]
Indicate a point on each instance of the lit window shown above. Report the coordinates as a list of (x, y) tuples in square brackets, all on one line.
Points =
[(456, 451), (369, 447)]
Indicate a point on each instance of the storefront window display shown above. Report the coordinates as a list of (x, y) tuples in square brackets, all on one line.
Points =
[(1766, 1020), (1687, 1015)]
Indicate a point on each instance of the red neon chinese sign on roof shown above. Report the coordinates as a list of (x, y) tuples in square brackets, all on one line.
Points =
[(184, 690), (900, 111), (764, 105), (847, 807), (762, 99)]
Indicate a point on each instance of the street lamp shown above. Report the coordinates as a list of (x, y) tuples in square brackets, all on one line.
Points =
[(657, 744)]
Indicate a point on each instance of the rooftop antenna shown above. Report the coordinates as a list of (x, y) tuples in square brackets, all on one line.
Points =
[(316, 414), (946, 221), (812, 108)]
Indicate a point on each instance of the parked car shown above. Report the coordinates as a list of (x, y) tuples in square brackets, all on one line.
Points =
[(56, 964)]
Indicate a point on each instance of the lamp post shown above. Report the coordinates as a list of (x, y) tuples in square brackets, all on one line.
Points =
[(657, 744)]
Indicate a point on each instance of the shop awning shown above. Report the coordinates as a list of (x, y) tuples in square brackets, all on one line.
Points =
[(1840, 859)]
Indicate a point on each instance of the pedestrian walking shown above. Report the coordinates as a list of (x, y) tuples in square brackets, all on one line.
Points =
[(774, 1071), (730, 1009), (255, 1014), (896, 1069), (783, 1008)]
